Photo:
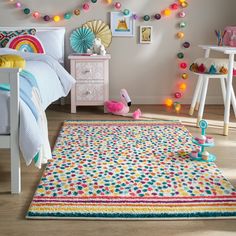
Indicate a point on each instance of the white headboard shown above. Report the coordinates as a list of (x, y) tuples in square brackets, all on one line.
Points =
[(52, 38)]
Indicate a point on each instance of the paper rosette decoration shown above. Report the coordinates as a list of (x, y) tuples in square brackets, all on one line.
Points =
[(101, 30), (26, 43), (82, 39)]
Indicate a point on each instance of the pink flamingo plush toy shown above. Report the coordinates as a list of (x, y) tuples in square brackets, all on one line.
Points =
[(119, 108)]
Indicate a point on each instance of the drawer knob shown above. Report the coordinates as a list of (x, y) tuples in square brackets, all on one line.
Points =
[(88, 92), (87, 71)]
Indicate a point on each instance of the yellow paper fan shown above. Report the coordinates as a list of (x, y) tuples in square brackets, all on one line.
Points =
[(101, 30)]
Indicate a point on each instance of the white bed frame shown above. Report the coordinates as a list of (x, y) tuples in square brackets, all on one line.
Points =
[(11, 76), (11, 141)]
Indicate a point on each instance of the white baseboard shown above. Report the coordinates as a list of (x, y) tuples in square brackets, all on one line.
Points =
[(159, 100), (215, 100)]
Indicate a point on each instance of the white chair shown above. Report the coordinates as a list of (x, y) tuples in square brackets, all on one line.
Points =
[(199, 96)]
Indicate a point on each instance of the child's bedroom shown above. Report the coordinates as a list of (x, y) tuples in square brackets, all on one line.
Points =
[(117, 117)]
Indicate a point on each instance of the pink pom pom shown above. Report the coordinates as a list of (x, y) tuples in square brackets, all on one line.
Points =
[(86, 6), (136, 115)]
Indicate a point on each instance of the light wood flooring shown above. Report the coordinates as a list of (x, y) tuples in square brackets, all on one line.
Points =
[(13, 207)]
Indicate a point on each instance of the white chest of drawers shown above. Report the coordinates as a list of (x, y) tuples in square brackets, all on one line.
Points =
[(92, 80)]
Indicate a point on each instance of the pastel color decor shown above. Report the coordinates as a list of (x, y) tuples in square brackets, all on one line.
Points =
[(130, 170), (82, 39)]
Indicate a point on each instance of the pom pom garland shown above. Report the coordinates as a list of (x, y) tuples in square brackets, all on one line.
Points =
[(116, 5), (157, 16), (169, 102), (36, 15), (27, 11), (146, 17), (86, 6), (18, 5), (126, 12), (56, 18), (46, 18)]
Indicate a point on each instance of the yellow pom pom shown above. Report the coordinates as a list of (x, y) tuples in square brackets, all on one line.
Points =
[(180, 35), (167, 12), (183, 86), (184, 4), (56, 18), (109, 1), (168, 102)]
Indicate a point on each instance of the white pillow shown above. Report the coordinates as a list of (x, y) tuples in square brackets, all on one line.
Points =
[(53, 42)]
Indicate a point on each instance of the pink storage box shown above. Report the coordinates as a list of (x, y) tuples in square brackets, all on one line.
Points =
[(230, 36)]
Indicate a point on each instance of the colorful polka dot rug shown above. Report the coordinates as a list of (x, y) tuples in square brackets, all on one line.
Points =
[(130, 170)]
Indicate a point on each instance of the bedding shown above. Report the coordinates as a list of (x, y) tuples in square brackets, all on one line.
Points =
[(12, 61), (53, 82)]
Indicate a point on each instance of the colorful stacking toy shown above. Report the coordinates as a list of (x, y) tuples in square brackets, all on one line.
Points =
[(203, 142)]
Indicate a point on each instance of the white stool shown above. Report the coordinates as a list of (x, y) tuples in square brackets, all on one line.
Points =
[(199, 97)]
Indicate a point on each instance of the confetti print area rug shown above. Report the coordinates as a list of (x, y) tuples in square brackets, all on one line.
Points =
[(129, 170)]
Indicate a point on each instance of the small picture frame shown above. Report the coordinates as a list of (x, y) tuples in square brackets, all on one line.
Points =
[(122, 25), (145, 34)]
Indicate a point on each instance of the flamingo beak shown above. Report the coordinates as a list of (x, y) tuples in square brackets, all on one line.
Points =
[(129, 104)]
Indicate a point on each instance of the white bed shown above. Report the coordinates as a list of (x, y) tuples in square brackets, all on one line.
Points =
[(53, 82)]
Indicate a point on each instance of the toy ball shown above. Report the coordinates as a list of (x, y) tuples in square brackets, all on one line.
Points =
[(184, 76), (86, 6), (183, 65), (180, 55), (178, 95), (146, 18), (93, 1), (117, 5), (182, 24), (77, 12), (174, 6), (169, 102), (182, 14), (126, 12), (18, 5), (167, 12), (157, 16), (180, 35), (26, 11), (46, 18), (186, 44), (135, 17), (36, 15), (56, 18)]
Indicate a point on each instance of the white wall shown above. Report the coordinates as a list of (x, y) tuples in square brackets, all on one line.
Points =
[(148, 72)]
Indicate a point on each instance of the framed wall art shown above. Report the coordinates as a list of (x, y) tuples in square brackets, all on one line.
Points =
[(122, 25), (145, 34)]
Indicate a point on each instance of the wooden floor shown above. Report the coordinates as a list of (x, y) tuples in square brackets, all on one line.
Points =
[(13, 207)]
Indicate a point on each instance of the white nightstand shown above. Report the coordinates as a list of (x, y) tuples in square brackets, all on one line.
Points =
[(92, 80)]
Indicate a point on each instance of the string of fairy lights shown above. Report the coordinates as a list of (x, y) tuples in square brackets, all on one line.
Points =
[(177, 5)]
